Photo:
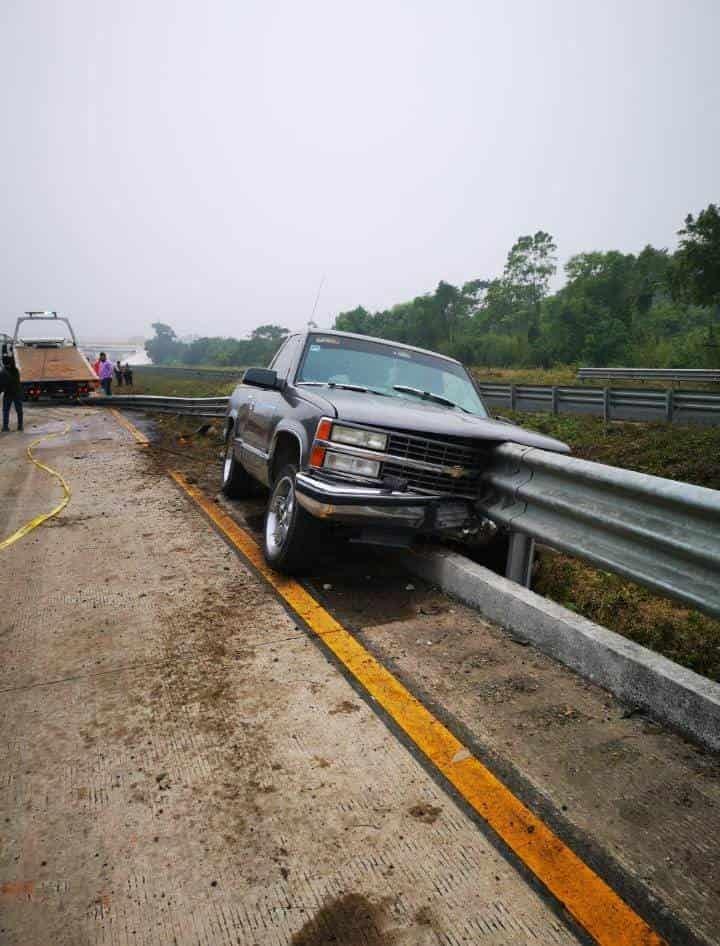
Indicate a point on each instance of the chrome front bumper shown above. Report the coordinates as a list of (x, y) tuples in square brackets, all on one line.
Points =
[(369, 506)]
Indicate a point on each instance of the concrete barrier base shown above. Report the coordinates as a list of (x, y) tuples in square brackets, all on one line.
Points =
[(634, 674)]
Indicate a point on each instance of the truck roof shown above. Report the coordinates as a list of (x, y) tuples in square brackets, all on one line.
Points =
[(380, 341)]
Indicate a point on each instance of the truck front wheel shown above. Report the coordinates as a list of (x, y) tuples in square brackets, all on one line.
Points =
[(291, 536)]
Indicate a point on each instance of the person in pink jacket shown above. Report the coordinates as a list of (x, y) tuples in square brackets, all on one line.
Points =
[(105, 373)]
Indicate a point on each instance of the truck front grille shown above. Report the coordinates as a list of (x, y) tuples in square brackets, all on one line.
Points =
[(454, 454), (442, 450)]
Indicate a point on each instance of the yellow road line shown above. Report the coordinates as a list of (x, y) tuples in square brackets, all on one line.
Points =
[(130, 427), (594, 905), (38, 520)]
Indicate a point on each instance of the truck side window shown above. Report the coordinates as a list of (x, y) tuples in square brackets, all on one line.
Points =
[(283, 360)]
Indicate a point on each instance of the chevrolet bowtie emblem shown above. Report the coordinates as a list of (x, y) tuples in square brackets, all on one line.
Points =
[(455, 471)]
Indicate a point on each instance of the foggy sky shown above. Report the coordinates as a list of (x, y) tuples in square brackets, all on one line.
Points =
[(206, 164)]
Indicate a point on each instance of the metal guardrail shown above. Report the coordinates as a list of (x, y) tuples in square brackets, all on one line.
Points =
[(193, 406), (660, 533), (702, 375), (669, 406)]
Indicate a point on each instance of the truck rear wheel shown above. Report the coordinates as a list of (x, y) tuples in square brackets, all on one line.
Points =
[(291, 536), (236, 481)]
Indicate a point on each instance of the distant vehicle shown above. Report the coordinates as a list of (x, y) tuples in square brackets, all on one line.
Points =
[(51, 367), (383, 441)]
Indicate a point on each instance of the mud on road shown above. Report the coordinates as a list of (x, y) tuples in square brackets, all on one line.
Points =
[(181, 764)]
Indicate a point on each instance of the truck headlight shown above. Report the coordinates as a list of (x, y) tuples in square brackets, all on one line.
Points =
[(354, 437), (343, 463)]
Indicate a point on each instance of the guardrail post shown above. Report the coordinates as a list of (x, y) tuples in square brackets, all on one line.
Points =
[(521, 552), (513, 397), (669, 404), (606, 405), (554, 399)]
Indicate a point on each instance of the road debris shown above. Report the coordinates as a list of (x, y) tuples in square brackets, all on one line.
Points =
[(428, 814)]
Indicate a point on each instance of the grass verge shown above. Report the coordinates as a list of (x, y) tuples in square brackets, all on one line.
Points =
[(687, 453), (690, 454), (178, 386), (566, 375)]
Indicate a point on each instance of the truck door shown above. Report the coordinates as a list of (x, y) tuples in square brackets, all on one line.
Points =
[(263, 412)]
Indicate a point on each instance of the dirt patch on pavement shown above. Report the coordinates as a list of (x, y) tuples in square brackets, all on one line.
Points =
[(345, 707), (205, 688)]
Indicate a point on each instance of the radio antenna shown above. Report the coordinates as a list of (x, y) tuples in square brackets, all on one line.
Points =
[(314, 308)]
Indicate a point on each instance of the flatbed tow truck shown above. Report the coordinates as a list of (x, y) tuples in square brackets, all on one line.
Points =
[(52, 367)]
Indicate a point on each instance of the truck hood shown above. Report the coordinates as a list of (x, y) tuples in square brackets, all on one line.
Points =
[(425, 417)]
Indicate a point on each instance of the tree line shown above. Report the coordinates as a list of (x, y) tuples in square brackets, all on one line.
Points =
[(165, 348), (653, 309)]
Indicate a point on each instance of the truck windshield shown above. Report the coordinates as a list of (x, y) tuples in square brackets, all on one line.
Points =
[(399, 372)]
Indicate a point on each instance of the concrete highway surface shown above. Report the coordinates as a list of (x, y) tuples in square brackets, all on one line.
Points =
[(195, 751)]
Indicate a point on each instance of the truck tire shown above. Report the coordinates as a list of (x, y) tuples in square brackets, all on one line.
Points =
[(291, 536), (236, 481)]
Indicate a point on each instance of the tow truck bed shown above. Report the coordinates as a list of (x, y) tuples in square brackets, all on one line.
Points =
[(53, 364), (51, 367)]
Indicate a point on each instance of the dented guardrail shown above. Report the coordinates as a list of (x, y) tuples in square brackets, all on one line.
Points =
[(660, 533)]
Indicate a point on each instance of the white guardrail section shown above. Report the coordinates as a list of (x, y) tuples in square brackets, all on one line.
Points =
[(703, 375), (660, 533), (682, 407)]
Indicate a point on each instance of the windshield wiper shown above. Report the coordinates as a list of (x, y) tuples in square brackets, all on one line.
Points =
[(429, 396), (348, 387), (345, 387)]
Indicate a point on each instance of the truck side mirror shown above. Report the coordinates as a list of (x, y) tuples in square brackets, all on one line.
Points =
[(261, 378)]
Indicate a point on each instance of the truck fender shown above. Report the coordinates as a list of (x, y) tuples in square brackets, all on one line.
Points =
[(287, 426), (233, 408), (230, 419)]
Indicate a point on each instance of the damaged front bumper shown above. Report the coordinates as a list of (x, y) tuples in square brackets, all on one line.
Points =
[(373, 508)]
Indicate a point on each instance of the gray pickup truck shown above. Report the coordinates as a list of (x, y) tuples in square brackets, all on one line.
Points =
[(383, 441)]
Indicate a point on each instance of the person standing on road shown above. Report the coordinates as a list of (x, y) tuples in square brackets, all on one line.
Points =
[(128, 375), (118, 373), (105, 373), (12, 392)]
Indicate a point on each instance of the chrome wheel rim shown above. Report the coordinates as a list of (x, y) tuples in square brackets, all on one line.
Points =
[(227, 465), (279, 516)]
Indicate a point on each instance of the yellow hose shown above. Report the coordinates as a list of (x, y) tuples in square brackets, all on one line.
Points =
[(38, 520)]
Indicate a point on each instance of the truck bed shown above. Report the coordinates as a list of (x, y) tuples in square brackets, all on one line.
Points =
[(53, 364)]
